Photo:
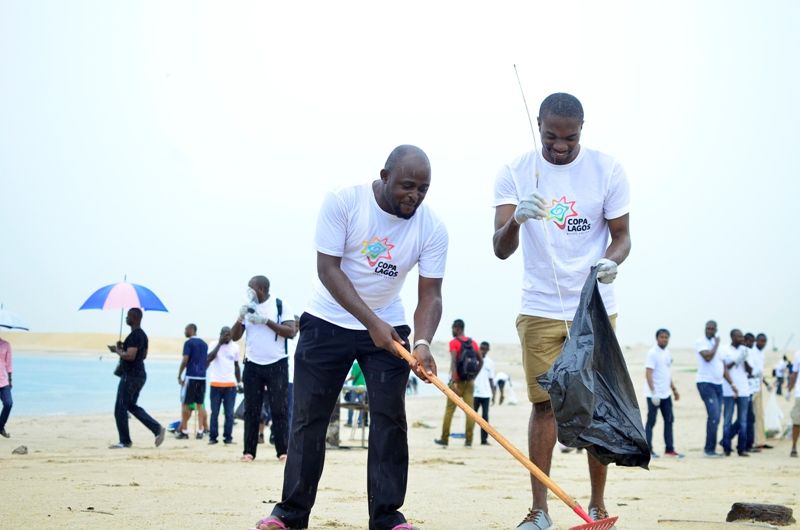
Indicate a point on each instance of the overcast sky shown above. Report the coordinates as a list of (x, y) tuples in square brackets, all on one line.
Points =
[(189, 144)]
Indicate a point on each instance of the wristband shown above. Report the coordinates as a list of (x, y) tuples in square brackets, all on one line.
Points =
[(420, 342)]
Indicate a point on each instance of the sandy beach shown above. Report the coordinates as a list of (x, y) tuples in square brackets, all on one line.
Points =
[(69, 479)]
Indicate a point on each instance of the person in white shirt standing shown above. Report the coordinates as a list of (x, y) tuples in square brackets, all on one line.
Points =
[(224, 378), (735, 392), (710, 372), (484, 388), (796, 409), (266, 368), (568, 207), (659, 389), (368, 238), (756, 438)]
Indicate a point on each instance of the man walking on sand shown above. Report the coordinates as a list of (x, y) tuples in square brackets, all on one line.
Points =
[(462, 385), (368, 238), (562, 205), (710, 372), (659, 389), (132, 377), (484, 388), (193, 387)]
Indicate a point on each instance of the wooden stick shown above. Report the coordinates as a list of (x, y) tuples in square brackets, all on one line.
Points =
[(508, 446)]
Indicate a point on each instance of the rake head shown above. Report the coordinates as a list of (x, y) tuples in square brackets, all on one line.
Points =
[(602, 524)]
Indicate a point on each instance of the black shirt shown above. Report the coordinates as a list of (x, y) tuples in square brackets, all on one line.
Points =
[(136, 339)]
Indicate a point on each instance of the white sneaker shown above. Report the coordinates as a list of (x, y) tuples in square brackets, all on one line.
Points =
[(536, 520)]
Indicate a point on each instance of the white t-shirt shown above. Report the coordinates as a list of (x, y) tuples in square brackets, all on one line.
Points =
[(221, 369), (264, 346), (378, 250), (737, 372), (796, 370), (780, 368), (660, 361), (580, 197), (501, 376), (756, 361), (708, 371), (292, 345), (483, 388)]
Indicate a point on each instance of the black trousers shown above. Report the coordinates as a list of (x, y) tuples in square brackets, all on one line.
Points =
[(127, 397), (270, 381), (323, 359), (484, 404)]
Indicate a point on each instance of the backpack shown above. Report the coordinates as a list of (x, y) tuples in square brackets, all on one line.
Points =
[(468, 364)]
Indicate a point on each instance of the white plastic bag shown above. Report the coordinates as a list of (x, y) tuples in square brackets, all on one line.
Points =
[(773, 417), (512, 396)]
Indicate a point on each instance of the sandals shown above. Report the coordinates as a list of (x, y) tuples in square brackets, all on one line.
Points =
[(404, 526), (271, 523), (247, 457)]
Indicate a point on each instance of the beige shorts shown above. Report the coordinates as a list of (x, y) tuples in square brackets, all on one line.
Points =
[(796, 412), (542, 340)]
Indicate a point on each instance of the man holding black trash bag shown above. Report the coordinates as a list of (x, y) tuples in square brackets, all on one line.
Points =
[(561, 204)]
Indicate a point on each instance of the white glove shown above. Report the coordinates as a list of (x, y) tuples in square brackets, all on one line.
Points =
[(606, 270), (255, 318), (655, 401), (243, 310), (531, 207)]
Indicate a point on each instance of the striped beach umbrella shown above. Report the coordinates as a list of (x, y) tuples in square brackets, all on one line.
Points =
[(123, 295)]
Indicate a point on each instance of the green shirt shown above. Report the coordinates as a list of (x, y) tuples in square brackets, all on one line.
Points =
[(357, 375)]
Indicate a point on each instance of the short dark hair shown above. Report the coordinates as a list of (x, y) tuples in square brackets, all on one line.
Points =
[(261, 281), (192, 326), (662, 330), (561, 104), (749, 335), (734, 330), (458, 323), (400, 152), (484, 343), (760, 335), (136, 311)]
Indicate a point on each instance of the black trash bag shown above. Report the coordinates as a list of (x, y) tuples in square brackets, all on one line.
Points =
[(591, 391)]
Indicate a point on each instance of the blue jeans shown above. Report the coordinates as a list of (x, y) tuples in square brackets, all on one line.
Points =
[(5, 397), (711, 395), (751, 426), (225, 396), (127, 396), (652, 413), (739, 428)]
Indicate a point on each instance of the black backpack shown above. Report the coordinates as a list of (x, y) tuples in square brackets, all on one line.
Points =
[(468, 365)]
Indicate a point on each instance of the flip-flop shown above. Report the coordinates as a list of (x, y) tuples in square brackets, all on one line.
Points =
[(404, 526), (272, 523), (246, 458)]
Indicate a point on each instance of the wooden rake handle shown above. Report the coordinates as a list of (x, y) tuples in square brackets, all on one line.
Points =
[(508, 446)]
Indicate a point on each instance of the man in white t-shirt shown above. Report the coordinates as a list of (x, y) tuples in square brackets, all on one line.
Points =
[(224, 378), (735, 392), (562, 204), (796, 408), (368, 238), (268, 323), (710, 372), (658, 389), (756, 438), (484, 388)]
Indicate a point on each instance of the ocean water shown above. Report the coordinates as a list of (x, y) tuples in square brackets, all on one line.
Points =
[(49, 384)]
